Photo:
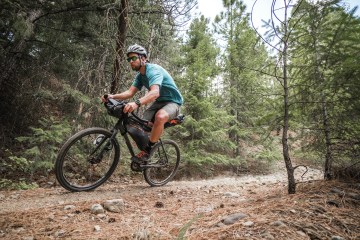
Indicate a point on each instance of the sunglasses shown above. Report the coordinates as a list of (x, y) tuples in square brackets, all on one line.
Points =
[(133, 58)]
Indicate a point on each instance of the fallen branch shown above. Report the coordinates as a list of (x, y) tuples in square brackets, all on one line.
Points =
[(302, 176)]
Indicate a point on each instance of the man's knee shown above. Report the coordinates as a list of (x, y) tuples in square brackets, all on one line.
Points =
[(162, 116)]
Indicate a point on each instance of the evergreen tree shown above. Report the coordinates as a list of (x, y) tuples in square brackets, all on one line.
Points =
[(326, 41), (281, 26), (244, 54), (203, 131)]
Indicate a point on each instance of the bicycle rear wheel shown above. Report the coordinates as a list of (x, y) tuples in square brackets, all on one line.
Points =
[(163, 163), (87, 160)]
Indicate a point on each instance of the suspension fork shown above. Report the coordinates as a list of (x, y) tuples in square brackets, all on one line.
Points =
[(97, 159), (113, 136)]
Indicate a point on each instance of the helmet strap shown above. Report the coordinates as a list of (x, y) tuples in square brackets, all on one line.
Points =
[(142, 63), (140, 57)]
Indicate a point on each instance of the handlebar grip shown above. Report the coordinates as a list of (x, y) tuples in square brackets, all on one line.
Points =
[(106, 96)]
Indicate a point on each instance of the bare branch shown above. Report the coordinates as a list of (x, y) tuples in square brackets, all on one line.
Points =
[(252, 23)]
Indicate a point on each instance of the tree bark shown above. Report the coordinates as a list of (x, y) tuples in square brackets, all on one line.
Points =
[(286, 155), (151, 38), (328, 174), (120, 46), (233, 86)]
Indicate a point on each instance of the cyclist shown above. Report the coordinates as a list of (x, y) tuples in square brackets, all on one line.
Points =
[(163, 93)]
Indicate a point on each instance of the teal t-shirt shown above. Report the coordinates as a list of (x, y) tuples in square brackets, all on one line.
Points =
[(156, 75)]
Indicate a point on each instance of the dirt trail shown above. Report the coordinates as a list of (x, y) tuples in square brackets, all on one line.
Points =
[(190, 209), (40, 198)]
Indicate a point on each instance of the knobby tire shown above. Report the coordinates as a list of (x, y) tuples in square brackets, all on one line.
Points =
[(78, 170), (163, 165)]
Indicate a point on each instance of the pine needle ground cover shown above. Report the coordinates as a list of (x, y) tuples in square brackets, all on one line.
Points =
[(187, 210)]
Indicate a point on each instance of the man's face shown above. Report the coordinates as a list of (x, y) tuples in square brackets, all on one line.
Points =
[(135, 61)]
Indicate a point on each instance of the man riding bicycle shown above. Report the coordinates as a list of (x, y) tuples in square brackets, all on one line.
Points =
[(163, 93)]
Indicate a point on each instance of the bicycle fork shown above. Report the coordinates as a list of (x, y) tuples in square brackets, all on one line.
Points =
[(97, 159)]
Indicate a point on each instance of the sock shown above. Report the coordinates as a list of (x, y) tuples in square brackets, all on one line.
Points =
[(149, 146)]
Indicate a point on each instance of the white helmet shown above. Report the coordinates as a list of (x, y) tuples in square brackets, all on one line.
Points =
[(136, 49)]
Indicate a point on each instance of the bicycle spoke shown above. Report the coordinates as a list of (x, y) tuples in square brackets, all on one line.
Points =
[(84, 163), (163, 163)]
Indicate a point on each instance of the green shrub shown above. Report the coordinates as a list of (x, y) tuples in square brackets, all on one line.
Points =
[(268, 155), (21, 184), (40, 148)]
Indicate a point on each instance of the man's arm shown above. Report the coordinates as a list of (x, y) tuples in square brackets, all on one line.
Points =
[(125, 95), (149, 97)]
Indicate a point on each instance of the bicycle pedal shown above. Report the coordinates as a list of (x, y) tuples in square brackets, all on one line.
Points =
[(140, 162), (136, 167)]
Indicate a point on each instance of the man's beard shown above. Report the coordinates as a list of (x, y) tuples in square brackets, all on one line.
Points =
[(136, 68)]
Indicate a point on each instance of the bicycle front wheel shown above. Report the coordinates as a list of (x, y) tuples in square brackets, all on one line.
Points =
[(87, 160), (163, 164)]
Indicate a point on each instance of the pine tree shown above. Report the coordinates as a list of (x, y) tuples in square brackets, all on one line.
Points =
[(244, 55), (326, 40), (203, 131)]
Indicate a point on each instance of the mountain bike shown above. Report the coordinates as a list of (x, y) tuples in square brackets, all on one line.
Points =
[(90, 157)]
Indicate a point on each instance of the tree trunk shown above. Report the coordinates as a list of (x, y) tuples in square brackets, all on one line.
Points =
[(233, 86), (288, 164), (328, 174), (238, 119), (120, 46), (151, 39), (284, 140)]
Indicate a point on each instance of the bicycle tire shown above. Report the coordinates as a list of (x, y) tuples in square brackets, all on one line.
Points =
[(76, 170), (163, 164)]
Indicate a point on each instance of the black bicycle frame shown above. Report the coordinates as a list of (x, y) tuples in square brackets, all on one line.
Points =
[(120, 126)]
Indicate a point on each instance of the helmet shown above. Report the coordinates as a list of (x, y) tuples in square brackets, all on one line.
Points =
[(136, 49)]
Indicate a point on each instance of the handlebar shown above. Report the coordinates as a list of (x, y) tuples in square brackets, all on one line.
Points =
[(116, 108), (115, 103)]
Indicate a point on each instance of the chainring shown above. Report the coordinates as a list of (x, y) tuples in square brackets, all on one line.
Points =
[(136, 167)]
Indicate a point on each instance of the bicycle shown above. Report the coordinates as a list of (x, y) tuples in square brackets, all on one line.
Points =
[(90, 157)]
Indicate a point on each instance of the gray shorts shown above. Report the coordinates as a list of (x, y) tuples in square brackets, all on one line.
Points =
[(173, 109)]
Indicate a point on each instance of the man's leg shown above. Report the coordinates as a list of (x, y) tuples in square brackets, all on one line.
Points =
[(169, 111), (161, 117), (166, 112), (150, 115)]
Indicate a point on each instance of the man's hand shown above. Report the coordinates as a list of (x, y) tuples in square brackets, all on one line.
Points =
[(130, 107), (103, 99)]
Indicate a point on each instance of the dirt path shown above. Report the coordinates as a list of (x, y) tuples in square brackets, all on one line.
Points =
[(40, 198), (189, 209)]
